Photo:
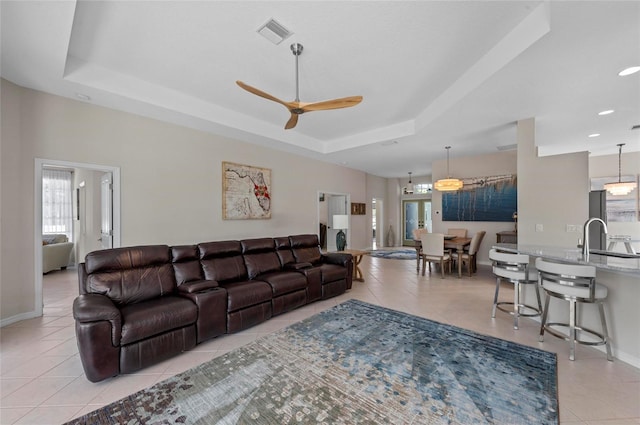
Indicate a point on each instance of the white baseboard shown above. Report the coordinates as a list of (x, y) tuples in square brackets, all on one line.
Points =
[(17, 318)]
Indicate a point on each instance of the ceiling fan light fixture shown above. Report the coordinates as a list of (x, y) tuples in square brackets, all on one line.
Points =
[(620, 188), (448, 184), (296, 107)]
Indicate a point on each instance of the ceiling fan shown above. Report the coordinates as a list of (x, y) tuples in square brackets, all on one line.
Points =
[(296, 107)]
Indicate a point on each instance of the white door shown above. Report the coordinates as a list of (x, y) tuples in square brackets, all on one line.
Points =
[(106, 206)]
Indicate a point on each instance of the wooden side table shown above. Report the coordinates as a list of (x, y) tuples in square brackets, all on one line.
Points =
[(357, 259)]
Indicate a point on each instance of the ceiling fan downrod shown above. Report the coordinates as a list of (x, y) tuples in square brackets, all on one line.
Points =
[(296, 49)]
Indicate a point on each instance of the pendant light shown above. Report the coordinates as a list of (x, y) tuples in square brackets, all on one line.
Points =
[(448, 184), (620, 187), (409, 188)]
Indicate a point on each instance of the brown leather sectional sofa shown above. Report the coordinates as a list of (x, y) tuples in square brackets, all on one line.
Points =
[(141, 305)]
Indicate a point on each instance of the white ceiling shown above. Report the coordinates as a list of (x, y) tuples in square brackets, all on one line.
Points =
[(432, 73)]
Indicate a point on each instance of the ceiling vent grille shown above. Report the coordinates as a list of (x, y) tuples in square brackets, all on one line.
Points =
[(274, 31), (507, 147)]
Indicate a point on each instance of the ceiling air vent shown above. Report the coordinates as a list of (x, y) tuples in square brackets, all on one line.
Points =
[(274, 31), (507, 147)]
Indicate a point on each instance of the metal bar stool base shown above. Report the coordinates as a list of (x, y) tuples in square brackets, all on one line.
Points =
[(534, 311), (600, 337)]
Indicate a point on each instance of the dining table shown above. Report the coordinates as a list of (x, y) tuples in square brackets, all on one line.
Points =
[(458, 244)]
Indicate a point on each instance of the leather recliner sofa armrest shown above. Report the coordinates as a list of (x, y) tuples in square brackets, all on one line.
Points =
[(211, 301), (337, 258), (95, 307), (90, 308), (98, 331), (197, 286)]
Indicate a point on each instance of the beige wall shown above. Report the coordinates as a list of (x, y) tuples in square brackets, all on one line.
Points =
[(16, 213), (171, 180), (553, 191)]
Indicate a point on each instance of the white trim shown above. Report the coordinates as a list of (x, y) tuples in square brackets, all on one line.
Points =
[(37, 201), (19, 317)]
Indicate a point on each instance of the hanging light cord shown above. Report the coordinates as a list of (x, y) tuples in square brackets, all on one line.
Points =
[(447, 148), (620, 162)]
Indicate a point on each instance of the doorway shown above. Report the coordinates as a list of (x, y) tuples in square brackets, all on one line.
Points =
[(416, 214), (330, 204), (376, 223), (82, 193)]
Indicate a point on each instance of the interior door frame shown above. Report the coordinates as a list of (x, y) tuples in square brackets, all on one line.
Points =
[(40, 163), (326, 194)]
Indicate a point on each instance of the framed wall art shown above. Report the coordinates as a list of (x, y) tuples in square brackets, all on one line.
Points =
[(358, 208), (246, 192), (491, 198)]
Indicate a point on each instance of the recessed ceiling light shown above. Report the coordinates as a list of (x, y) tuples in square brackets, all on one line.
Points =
[(629, 71), (594, 135), (607, 112)]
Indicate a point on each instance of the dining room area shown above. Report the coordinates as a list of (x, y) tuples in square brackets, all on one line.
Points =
[(451, 251)]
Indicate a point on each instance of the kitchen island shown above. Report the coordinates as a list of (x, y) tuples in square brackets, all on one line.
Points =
[(622, 278), (616, 262)]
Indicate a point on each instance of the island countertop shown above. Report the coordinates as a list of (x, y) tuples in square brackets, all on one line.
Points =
[(630, 266)]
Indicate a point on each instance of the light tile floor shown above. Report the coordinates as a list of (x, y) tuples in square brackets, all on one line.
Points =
[(42, 381)]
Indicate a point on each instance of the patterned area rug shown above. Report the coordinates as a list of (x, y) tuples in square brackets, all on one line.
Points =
[(355, 363), (396, 254)]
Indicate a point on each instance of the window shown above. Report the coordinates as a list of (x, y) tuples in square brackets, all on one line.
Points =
[(422, 188), (57, 203)]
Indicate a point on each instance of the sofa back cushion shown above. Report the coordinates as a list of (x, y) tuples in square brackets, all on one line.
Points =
[(130, 275), (222, 261), (283, 249), (306, 248), (260, 256), (186, 263), (54, 238)]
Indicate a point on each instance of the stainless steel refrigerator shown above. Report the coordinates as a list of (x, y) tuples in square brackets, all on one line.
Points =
[(597, 208)]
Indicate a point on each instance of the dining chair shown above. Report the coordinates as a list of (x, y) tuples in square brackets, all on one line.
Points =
[(458, 233), (433, 251), (514, 268), (469, 257), (575, 284), (416, 237)]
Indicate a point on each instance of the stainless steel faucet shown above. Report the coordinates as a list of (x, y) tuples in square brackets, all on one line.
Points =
[(585, 233)]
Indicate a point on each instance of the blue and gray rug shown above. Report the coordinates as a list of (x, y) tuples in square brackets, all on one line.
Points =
[(355, 363), (395, 254)]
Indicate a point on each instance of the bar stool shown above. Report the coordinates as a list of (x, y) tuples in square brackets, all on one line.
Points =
[(514, 268), (576, 284)]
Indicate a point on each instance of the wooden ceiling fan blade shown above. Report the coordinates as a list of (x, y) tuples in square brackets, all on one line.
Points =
[(292, 121), (344, 102), (260, 93)]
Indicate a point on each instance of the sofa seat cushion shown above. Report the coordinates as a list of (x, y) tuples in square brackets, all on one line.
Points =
[(246, 294), (148, 318), (332, 272), (284, 282)]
